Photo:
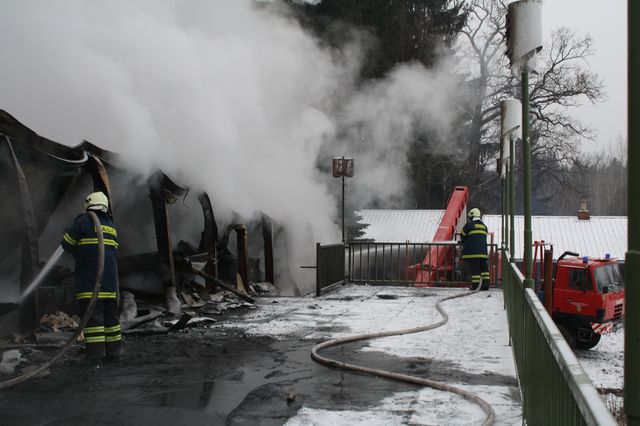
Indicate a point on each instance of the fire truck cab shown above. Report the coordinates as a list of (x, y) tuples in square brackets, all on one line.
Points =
[(588, 298)]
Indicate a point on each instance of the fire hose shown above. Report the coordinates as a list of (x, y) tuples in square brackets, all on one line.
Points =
[(92, 304), (489, 420)]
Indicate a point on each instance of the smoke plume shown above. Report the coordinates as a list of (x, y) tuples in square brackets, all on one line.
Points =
[(228, 96)]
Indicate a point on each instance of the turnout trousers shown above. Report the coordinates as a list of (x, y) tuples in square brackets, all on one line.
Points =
[(479, 269), (102, 333)]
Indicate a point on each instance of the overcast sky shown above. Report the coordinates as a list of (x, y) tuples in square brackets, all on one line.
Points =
[(606, 21)]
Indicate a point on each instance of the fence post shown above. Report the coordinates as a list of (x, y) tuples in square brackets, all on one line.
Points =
[(347, 270), (318, 270)]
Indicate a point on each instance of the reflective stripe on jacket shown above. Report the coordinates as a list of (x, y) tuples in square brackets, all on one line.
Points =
[(474, 240), (81, 239)]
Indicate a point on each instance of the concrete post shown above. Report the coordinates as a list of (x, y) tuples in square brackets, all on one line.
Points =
[(632, 267), (526, 158), (512, 198)]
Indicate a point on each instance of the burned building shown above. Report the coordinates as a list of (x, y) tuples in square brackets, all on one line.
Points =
[(169, 237)]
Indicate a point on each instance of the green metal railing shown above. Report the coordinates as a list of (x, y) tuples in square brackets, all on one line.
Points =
[(555, 389)]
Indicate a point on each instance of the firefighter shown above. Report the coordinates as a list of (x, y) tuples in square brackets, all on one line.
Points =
[(102, 332), (474, 249)]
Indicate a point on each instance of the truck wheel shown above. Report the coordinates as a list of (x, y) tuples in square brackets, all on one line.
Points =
[(593, 340), (569, 333)]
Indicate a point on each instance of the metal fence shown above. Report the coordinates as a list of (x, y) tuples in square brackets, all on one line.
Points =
[(555, 389), (410, 263), (330, 266)]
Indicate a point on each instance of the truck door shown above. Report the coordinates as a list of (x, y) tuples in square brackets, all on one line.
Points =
[(571, 298)]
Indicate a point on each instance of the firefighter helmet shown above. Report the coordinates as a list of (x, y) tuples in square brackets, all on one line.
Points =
[(96, 199), (474, 213)]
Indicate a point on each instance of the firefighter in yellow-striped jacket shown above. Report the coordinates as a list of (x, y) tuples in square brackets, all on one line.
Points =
[(474, 249), (102, 332)]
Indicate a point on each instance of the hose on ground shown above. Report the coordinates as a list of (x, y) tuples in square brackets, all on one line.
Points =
[(92, 304), (489, 420)]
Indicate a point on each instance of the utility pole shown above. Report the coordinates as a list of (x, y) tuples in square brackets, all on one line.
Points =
[(524, 41), (512, 198), (632, 267), (526, 159), (342, 167), (511, 130)]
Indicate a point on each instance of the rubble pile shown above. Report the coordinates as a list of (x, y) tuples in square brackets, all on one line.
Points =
[(139, 316)]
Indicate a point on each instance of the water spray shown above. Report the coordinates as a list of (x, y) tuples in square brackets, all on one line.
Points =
[(85, 319), (6, 307), (43, 273)]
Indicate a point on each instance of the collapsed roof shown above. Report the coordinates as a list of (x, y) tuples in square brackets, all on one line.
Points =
[(43, 183)]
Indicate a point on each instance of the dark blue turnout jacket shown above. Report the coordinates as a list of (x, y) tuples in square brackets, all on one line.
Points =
[(474, 240), (81, 240)]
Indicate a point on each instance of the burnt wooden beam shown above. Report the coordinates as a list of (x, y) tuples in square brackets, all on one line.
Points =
[(267, 236), (209, 240), (100, 179), (30, 256), (243, 255), (162, 226), (223, 285)]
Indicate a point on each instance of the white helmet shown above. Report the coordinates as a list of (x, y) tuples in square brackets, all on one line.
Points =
[(96, 201), (474, 213)]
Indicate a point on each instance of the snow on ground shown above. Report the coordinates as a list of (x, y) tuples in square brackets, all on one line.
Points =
[(605, 363), (474, 340), (478, 326), (473, 343), (424, 407)]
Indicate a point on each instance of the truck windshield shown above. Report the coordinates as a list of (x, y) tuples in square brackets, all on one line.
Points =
[(608, 276)]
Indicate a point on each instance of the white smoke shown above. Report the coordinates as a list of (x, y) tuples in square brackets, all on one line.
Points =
[(222, 95), (379, 123)]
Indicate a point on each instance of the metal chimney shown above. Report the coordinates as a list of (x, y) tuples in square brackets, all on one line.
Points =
[(583, 213)]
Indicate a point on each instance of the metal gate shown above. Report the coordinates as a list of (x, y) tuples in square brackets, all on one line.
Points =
[(330, 267), (438, 264)]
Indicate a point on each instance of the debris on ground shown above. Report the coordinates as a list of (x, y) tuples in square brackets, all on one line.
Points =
[(137, 321), (29, 369), (129, 307), (188, 321), (10, 360), (154, 327), (178, 324), (201, 322), (58, 321), (192, 307), (386, 296), (263, 288), (197, 310), (52, 338), (173, 304), (191, 300)]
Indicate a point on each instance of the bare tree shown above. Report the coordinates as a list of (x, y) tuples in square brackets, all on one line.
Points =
[(486, 65), (562, 83)]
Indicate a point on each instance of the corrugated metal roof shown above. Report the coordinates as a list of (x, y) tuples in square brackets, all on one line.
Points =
[(395, 226), (594, 237)]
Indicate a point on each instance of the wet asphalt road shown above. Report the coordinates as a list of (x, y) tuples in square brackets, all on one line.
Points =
[(197, 377), (213, 376)]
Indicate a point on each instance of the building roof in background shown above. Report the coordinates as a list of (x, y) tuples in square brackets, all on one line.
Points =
[(594, 237), (395, 226)]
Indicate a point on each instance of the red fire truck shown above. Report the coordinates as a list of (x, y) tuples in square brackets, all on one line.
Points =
[(584, 296)]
